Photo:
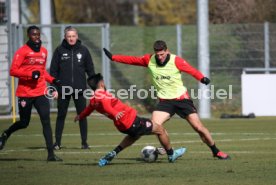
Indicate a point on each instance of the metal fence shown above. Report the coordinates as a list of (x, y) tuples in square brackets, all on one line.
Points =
[(4, 64), (232, 48), (94, 36), (3, 18)]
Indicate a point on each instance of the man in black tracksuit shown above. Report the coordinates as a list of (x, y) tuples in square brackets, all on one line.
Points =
[(70, 63)]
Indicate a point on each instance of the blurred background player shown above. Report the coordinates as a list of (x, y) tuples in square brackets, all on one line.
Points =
[(29, 66), (126, 121), (70, 63), (165, 70)]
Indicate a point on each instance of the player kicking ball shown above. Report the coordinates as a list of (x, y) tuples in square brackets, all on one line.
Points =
[(126, 121)]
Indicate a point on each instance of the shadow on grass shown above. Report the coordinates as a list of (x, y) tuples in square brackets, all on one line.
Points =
[(19, 159), (36, 148), (115, 162), (80, 164)]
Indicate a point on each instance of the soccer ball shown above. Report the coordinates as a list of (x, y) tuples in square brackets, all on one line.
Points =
[(149, 154)]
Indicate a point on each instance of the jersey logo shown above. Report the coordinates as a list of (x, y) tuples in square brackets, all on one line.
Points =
[(163, 78), (148, 124), (79, 56), (43, 55), (23, 103), (31, 61), (64, 56)]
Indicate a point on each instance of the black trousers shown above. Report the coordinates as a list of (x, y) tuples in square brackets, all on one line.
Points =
[(63, 104), (42, 105)]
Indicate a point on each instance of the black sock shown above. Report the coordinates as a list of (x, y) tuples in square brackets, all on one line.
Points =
[(169, 152), (118, 149), (214, 149), (50, 152)]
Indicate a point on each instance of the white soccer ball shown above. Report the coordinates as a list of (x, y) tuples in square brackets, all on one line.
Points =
[(149, 154)]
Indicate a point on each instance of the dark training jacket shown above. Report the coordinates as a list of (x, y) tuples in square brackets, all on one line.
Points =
[(70, 64)]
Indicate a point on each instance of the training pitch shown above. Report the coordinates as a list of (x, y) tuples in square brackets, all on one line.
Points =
[(249, 142)]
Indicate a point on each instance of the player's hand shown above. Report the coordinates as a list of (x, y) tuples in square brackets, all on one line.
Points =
[(57, 82), (55, 95), (205, 80), (107, 53), (35, 75), (77, 118), (119, 115)]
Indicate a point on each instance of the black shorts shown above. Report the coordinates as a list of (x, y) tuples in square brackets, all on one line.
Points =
[(180, 107), (140, 126)]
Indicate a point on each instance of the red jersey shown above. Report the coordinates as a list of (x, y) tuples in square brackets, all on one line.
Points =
[(105, 103), (24, 62)]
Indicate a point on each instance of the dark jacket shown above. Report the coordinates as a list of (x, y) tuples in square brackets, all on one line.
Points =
[(70, 64)]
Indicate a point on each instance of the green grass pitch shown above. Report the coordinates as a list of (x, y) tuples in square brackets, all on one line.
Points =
[(250, 143)]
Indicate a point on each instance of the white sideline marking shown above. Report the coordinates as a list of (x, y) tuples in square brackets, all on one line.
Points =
[(143, 144)]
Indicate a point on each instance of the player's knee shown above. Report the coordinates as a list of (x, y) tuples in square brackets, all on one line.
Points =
[(158, 129), (45, 121), (24, 123), (162, 130)]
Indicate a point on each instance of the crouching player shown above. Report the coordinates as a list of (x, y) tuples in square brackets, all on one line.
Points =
[(126, 121)]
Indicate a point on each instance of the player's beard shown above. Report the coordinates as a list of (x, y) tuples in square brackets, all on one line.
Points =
[(35, 46)]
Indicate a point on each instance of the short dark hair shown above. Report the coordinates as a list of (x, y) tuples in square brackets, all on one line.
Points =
[(94, 80), (159, 45), (33, 27)]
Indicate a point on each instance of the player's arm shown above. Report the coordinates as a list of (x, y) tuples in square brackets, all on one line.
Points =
[(132, 60), (50, 79), (16, 69), (184, 66), (47, 76), (86, 112), (106, 102)]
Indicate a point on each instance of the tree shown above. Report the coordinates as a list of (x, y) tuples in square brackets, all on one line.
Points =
[(92, 11), (245, 11), (161, 12), (156, 12)]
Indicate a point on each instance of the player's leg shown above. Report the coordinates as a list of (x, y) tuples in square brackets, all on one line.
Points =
[(160, 117), (164, 140), (163, 112), (42, 106), (162, 136), (80, 104), (25, 109), (126, 142), (197, 125), (62, 106), (205, 135)]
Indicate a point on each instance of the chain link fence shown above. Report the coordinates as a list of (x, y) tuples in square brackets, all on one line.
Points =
[(92, 35), (4, 77), (232, 48)]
